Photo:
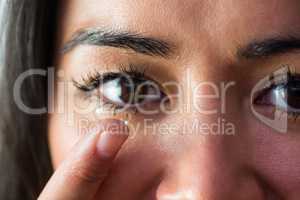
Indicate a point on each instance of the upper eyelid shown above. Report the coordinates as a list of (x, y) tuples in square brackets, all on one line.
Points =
[(95, 80), (92, 80), (280, 80)]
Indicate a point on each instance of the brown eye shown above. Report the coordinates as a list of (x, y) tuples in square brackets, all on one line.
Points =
[(131, 91), (285, 96)]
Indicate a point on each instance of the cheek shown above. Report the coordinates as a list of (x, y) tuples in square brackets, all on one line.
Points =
[(277, 158), (62, 138), (281, 162)]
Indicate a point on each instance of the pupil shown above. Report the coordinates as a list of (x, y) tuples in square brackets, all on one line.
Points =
[(131, 91), (293, 97), (126, 90)]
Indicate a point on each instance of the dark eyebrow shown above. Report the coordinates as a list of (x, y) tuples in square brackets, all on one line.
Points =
[(136, 42), (269, 47)]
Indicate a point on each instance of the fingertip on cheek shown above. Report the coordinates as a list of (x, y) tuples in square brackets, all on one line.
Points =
[(109, 143)]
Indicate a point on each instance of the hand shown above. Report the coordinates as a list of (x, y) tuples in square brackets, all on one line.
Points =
[(81, 174)]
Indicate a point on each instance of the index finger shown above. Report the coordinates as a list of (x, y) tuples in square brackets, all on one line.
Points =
[(80, 176)]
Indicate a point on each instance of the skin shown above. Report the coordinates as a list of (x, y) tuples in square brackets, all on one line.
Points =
[(254, 163)]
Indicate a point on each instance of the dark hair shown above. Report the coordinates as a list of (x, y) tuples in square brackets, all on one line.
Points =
[(26, 37)]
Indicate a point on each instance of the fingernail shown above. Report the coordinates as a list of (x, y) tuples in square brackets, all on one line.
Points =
[(110, 141)]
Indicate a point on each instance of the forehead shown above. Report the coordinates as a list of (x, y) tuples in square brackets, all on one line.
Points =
[(192, 19)]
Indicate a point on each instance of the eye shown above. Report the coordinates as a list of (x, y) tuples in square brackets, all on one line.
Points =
[(284, 96), (131, 91), (127, 89)]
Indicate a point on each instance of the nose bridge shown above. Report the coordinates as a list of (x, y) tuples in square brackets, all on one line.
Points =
[(213, 160)]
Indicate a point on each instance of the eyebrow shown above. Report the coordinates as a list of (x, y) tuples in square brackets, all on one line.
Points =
[(126, 40), (269, 47)]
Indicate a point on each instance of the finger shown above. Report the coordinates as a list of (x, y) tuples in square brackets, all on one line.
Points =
[(81, 174)]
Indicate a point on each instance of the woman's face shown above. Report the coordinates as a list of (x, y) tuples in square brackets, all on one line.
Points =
[(202, 123)]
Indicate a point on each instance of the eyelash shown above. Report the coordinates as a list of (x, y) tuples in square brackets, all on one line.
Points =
[(92, 81)]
